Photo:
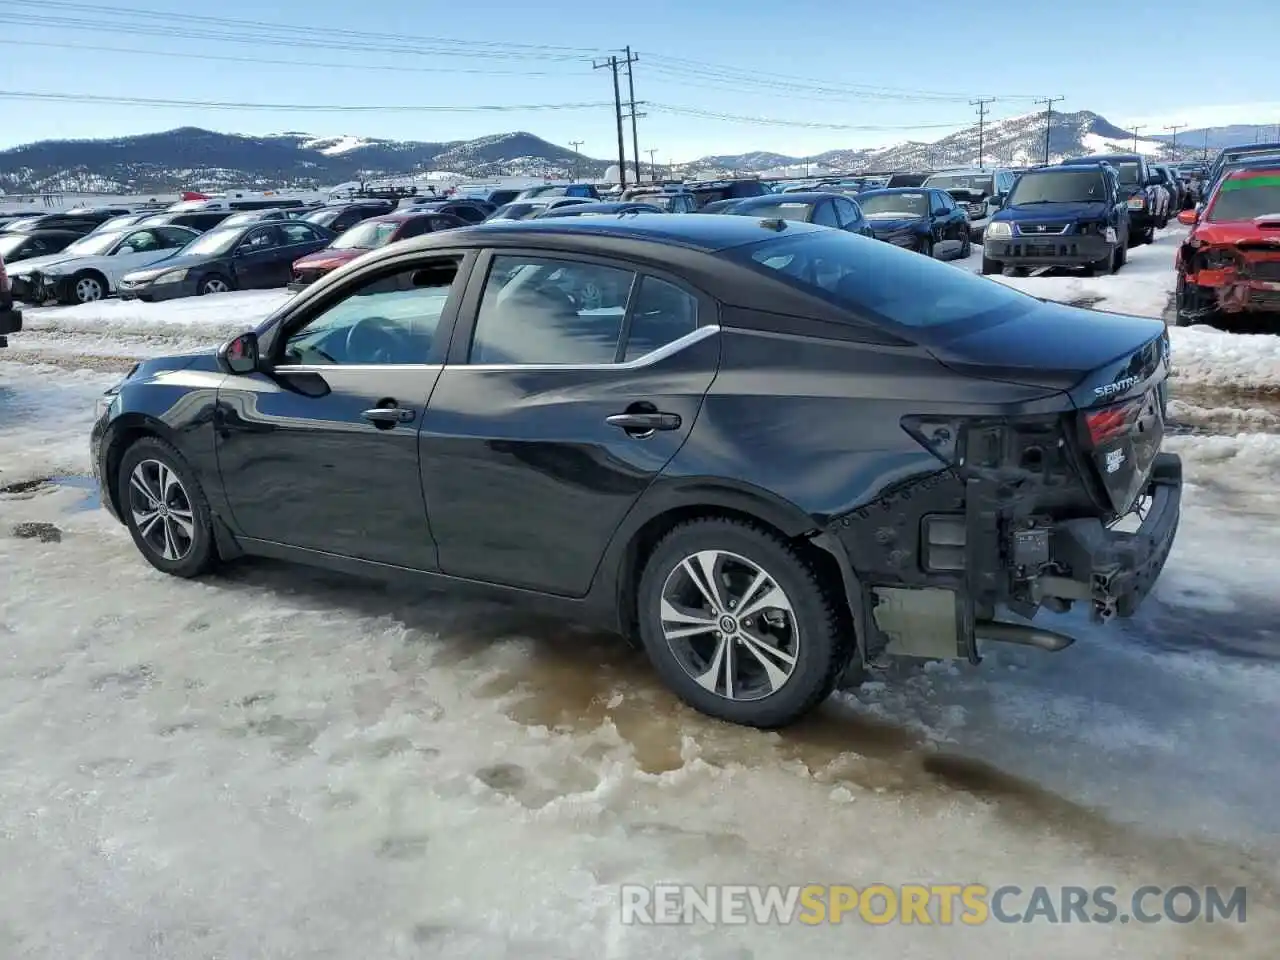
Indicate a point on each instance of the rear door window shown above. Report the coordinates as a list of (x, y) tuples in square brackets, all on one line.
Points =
[(539, 311)]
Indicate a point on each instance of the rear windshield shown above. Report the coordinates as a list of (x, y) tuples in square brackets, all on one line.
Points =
[(1246, 198), (1084, 186), (963, 181), (881, 282), (367, 235), (522, 210), (894, 204), (782, 209)]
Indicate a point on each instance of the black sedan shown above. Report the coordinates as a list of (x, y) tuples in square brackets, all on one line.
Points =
[(605, 208), (15, 247), (258, 256), (771, 451), (824, 209), (921, 219)]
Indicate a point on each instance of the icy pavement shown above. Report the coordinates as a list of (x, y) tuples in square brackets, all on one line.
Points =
[(278, 763)]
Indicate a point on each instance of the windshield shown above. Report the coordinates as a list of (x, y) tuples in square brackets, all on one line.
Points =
[(214, 242), (367, 235), (778, 210), (1247, 198), (1084, 186), (886, 205), (1128, 172), (322, 218), (882, 282), (518, 211), (963, 181), (10, 242), (662, 200), (93, 245), (241, 218)]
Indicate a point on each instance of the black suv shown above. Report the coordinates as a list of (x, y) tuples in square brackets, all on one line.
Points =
[(768, 450), (1075, 216), (1138, 185)]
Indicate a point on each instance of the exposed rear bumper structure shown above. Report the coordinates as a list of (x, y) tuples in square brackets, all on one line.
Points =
[(932, 577)]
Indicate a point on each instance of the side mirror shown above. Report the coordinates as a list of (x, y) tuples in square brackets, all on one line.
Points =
[(1188, 218), (1154, 180), (125, 251), (997, 201), (239, 355)]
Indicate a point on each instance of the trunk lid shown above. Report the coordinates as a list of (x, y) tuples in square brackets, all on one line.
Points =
[(1113, 367)]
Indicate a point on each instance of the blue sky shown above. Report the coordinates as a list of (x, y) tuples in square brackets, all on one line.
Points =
[(805, 62)]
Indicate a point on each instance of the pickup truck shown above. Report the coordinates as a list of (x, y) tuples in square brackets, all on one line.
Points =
[(1140, 186)]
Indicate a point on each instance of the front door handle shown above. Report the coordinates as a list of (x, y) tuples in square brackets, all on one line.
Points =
[(645, 423), (386, 417)]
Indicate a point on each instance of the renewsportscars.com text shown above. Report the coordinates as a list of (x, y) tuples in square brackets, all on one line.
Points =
[(967, 904)]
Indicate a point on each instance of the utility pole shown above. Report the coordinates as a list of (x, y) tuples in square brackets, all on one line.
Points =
[(653, 163), (631, 96), (1205, 155), (612, 64), (576, 155), (1048, 122), (1173, 147), (981, 104), (1135, 137)]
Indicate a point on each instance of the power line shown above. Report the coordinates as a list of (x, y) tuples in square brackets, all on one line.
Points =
[(186, 19), (801, 124), (981, 103), (1048, 121), (293, 107), (261, 61)]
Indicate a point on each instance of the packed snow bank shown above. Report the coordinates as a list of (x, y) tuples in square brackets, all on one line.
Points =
[(214, 316), (1208, 358)]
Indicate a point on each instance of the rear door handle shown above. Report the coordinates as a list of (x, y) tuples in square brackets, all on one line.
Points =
[(645, 422)]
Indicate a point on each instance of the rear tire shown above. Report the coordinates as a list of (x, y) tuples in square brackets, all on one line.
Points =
[(925, 247), (780, 662), (87, 286), (966, 248), (165, 509), (991, 267)]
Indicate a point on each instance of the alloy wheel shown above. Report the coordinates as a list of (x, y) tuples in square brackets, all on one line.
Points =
[(729, 625), (215, 285), (88, 290), (161, 510)]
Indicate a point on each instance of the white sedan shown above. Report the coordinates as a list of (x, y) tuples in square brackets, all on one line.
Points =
[(89, 269)]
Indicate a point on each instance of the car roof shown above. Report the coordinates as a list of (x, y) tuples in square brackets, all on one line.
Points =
[(608, 206), (1256, 170), (1102, 158), (887, 190), (796, 196), (699, 231), (400, 216)]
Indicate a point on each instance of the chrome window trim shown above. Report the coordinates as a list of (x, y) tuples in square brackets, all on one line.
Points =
[(648, 359)]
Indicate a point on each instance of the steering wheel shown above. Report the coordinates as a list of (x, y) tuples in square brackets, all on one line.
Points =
[(374, 340)]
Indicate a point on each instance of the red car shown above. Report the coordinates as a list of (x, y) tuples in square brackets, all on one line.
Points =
[(1230, 263), (365, 236)]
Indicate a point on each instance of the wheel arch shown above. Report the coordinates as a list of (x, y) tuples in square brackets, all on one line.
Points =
[(666, 505), (98, 274), (124, 432)]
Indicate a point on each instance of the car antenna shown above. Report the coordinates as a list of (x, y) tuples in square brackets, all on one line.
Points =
[(774, 223)]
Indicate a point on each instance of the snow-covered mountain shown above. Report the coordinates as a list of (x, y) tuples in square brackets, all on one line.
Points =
[(193, 158), (1016, 141)]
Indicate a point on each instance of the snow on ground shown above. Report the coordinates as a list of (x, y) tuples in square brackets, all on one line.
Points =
[(275, 762)]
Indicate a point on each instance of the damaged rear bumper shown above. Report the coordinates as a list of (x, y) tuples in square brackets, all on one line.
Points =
[(931, 578), (1115, 570)]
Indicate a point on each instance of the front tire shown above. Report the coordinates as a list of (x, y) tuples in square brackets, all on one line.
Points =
[(739, 625), (966, 248), (990, 267), (925, 246), (165, 509), (215, 283), (87, 286)]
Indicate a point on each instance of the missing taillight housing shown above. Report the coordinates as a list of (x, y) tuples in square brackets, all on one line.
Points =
[(1107, 423)]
